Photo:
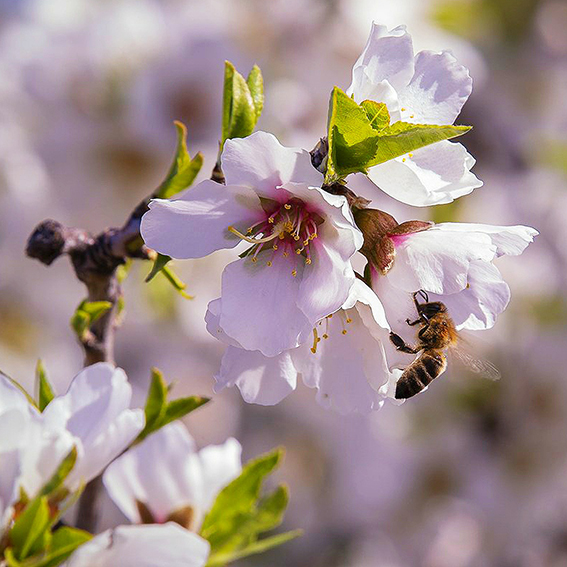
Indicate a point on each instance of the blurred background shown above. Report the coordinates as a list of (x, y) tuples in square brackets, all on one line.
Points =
[(471, 473)]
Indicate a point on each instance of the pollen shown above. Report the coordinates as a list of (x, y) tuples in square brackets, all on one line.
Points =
[(287, 206), (344, 331), (410, 155), (325, 336), (403, 109), (285, 254), (275, 247), (254, 259), (403, 159), (269, 263), (308, 261), (412, 115), (294, 273), (348, 320)]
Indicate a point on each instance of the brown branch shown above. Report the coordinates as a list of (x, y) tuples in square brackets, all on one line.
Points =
[(94, 260)]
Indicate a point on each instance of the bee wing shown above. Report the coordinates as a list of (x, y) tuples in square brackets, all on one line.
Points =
[(482, 367)]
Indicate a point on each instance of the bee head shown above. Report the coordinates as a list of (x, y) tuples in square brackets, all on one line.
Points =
[(431, 309)]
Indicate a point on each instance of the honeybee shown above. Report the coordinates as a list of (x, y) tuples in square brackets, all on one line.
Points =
[(436, 336)]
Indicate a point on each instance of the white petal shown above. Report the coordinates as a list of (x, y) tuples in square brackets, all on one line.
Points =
[(218, 466), (12, 397), (261, 162), (197, 224), (438, 90), (260, 379), (166, 545), (152, 473), (433, 175), (509, 240), (259, 304), (436, 260), (212, 320), (485, 297), (13, 424), (388, 55)]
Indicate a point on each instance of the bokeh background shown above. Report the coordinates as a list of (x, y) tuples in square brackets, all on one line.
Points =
[(471, 473)]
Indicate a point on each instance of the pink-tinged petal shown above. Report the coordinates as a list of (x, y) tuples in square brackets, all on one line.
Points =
[(197, 223), (212, 320), (433, 175), (260, 379), (388, 55), (261, 162), (343, 364), (167, 545), (259, 303), (437, 261), (438, 90), (326, 282), (485, 297), (360, 293), (509, 240)]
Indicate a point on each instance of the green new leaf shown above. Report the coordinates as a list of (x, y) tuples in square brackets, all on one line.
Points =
[(30, 532), (241, 108), (161, 267), (219, 559), (402, 137), (377, 113), (159, 263), (176, 409), (183, 170), (353, 142), (86, 314), (64, 542), (45, 391), (255, 84), (19, 387), (61, 473), (240, 496)]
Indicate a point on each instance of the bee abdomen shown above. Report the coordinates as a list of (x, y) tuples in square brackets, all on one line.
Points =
[(419, 374)]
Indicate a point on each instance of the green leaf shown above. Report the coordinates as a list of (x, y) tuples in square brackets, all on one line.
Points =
[(255, 84), (86, 314), (239, 110), (176, 409), (353, 142), (61, 473), (183, 170), (155, 403), (402, 137), (123, 270), (241, 494), (377, 113), (159, 263), (65, 540), (30, 532), (219, 559), (176, 282), (19, 387), (45, 391)]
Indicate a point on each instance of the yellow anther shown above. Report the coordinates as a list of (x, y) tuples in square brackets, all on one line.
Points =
[(412, 115), (348, 320), (325, 336), (296, 237), (330, 316), (254, 259), (269, 263), (294, 273), (281, 236), (275, 247), (410, 155), (287, 206), (308, 261), (403, 109), (344, 331), (403, 159), (298, 251), (285, 254), (271, 220), (249, 231), (315, 341), (305, 242)]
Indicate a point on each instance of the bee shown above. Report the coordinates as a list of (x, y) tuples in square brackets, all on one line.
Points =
[(437, 334)]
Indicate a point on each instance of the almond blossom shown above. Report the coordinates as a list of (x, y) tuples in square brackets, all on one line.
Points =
[(166, 479), (428, 88), (166, 545), (345, 362), (301, 239), (93, 416)]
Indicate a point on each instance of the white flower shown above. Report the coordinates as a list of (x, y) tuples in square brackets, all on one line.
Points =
[(297, 270), (93, 416), (166, 545), (345, 363), (452, 262), (430, 88), (170, 478)]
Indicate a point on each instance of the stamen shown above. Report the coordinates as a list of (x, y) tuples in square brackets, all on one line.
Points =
[(287, 206), (294, 273), (253, 240), (316, 339)]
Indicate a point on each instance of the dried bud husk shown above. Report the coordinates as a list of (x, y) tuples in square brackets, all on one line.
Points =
[(146, 517), (409, 227), (183, 516)]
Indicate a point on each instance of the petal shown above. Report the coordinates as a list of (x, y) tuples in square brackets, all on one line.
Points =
[(259, 304), (196, 224), (437, 261), (12, 397), (218, 465), (438, 90), (261, 162), (509, 240), (167, 545), (343, 364), (261, 380), (484, 298), (326, 282), (212, 320), (433, 175), (151, 473), (388, 55)]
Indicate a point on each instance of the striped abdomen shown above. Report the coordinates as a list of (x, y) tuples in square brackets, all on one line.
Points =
[(420, 373)]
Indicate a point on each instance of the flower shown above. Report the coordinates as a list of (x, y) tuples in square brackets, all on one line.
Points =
[(166, 479), (346, 362), (165, 545), (297, 269), (452, 262), (93, 416), (430, 88)]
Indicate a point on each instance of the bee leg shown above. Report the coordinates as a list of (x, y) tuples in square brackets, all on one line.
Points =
[(401, 345), (421, 320), (423, 295)]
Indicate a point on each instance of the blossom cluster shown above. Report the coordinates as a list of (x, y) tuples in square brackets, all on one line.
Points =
[(292, 305)]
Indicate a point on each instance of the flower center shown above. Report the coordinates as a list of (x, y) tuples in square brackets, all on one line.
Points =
[(288, 229), (344, 319)]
